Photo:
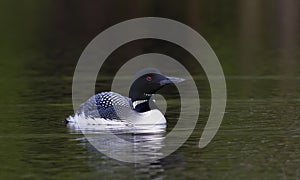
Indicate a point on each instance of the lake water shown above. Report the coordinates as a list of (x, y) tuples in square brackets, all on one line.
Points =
[(259, 137)]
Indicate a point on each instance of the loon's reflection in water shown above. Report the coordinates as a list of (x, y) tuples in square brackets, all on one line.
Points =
[(126, 143)]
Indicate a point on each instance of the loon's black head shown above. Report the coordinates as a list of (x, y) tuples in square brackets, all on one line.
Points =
[(143, 87)]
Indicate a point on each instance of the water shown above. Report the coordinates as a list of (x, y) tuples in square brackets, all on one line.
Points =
[(259, 136)]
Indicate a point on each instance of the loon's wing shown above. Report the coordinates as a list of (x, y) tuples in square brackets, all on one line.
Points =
[(107, 105)]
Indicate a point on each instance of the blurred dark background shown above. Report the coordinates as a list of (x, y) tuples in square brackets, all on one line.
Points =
[(249, 37)]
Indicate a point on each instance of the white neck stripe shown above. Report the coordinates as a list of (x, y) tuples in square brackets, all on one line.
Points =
[(138, 102)]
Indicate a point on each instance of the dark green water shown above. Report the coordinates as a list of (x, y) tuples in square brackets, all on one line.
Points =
[(257, 44)]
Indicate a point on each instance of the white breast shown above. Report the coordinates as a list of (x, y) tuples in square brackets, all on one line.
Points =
[(152, 117)]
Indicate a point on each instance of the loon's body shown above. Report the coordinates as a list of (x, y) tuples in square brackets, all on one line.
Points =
[(113, 108)]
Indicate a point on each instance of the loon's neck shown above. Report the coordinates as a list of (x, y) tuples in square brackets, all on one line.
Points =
[(140, 101)]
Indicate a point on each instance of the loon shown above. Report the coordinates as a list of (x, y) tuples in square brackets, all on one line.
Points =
[(137, 109)]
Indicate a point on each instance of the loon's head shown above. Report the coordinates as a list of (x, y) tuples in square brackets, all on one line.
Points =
[(143, 87)]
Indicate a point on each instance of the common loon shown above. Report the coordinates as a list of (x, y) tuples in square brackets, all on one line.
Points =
[(137, 109)]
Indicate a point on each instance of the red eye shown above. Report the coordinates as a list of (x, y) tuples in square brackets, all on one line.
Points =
[(149, 78)]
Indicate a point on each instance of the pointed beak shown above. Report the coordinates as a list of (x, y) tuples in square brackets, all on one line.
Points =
[(171, 80)]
